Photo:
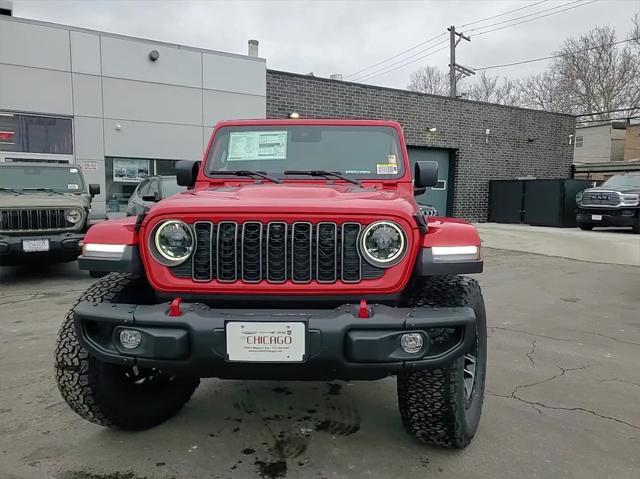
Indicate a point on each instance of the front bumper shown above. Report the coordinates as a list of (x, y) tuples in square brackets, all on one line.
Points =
[(609, 216), (65, 245), (339, 344)]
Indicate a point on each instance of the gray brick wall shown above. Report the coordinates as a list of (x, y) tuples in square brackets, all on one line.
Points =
[(522, 142)]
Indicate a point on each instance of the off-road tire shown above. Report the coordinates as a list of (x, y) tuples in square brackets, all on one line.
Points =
[(585, 226), (99, 392), (432, 402)]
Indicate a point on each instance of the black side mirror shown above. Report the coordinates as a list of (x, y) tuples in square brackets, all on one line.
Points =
[(94, 189), (426, 174), (154, 197), (187, 172)]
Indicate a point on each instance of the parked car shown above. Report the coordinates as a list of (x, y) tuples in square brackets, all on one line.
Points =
[(614, 203), (299, 253), (150, 191), (44, 212)]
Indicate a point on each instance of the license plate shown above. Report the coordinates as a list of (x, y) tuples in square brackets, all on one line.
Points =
[(31, 246), (596, 217), (265, 341)]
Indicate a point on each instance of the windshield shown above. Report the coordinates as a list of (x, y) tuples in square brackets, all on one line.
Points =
[(170, 187), (622, 181), (354, 151), (64, 180)]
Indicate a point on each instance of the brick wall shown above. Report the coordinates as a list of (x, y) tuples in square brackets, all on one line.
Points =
[(522, 142)]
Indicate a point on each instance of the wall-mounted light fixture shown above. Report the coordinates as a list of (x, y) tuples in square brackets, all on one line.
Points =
[(571, 139), (118, 127), (432, 130), (154, 55), (294, 115), (487, 133)]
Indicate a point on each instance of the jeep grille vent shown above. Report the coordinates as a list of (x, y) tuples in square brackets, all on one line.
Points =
[(43, 219), (276, 252)]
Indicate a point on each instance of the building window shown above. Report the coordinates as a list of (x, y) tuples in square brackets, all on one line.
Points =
[(579, 141), (35, 134), (124, 174)]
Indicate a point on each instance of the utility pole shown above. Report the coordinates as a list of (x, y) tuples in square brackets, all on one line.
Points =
[(456, 71)]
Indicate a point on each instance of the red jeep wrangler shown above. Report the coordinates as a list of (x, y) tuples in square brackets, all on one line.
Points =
[(297, 253)]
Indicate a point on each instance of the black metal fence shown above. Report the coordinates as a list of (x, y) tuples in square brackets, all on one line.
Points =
[(535, 202)]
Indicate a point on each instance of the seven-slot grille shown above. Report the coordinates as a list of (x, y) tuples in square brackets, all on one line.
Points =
[(277, 251), (34, 220), (597, 198)]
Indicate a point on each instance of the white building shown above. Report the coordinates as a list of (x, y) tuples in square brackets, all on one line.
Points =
[(118, 106)]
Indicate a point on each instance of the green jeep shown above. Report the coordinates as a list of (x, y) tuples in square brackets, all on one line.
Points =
[(44, 212)]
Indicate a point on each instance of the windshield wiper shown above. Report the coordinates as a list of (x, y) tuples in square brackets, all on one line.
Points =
[(259, 174), (324, 173), (50, 190), (13, 190)]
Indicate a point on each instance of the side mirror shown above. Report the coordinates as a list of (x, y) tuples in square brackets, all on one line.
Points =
[(154, 197), (94, 189), (426, 174), (187, 172)]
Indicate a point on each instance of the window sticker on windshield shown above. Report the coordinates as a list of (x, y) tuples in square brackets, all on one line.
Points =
[(392, 159), (72, 186), (73, 170), (257, 145), (387, 169)]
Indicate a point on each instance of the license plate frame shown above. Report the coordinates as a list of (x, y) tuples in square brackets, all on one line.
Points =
[(36, 245), (266, 341), (596, 217)]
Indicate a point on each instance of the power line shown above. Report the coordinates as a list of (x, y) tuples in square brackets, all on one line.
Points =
[(503, 13), (355, 74), (396, 55), (582, 4), (632, 108), (401, 66), (502, 22), (539, 59), (366, 75)]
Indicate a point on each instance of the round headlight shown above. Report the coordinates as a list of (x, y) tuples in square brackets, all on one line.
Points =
[(73, 215), (383, 244), (173, 241)]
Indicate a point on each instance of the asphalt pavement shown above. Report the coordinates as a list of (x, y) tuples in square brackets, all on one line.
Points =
[(562, 395)]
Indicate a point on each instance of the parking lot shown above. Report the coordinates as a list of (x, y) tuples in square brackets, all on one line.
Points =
[(562, 395)]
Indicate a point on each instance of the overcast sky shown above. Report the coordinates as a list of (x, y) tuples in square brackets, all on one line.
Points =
[(327, 37)]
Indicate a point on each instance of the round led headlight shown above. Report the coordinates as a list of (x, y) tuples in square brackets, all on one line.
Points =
[(173, 241), (383, 244), (73, 215)]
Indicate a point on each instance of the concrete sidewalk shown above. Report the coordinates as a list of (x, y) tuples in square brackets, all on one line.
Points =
[(615, 246)]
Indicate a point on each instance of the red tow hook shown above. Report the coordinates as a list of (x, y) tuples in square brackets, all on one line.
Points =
[(174, 309), (363, 310)]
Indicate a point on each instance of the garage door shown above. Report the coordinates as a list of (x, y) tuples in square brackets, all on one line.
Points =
[(436, 196)]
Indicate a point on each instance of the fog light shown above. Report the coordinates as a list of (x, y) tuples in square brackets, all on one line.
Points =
[(411, 342), (130, 338)]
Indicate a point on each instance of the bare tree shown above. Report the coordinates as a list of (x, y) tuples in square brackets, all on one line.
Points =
[(589, 74), (492, 89), (429, 79)]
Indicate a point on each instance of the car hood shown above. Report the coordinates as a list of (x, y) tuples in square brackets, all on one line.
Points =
[(321, 199), (42, 200)]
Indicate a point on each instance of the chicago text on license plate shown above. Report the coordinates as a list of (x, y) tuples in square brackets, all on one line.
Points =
[(596, 217), (265, 342), (29, 246)]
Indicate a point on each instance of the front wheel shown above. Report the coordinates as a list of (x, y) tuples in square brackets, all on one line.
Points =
[(442, 406), (585, 226), (113, 395)]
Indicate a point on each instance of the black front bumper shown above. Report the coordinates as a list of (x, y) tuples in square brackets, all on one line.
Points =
[(339, 344), (610, 216), (61, 245)]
